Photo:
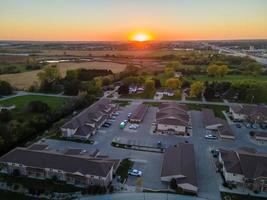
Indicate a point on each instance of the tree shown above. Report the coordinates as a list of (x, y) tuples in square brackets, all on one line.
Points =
[(71, 87), (217, 70), (48, 77), (49, 74), (5, 88), (174, 83), (173, 184), (123, 89), (176, 65), (196, 89), (5, 115), (212, 70), (157, 82), (37, 106), (222, 70), (178, 94), (71, 75), (149, 88), (254, 68), (169, 71)]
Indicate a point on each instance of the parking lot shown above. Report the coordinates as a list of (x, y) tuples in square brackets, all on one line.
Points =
[(150, 163)]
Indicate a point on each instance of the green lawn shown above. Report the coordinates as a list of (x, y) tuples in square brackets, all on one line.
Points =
[(230, 78), (165, 97), (217, 109), (48, 185), (137, 96), (22, 101)]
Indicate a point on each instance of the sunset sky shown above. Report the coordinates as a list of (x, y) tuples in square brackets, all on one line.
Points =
[(88, 20)]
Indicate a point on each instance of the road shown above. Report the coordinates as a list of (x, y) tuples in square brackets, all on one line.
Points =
[(24, 93), (237, 53), (181, 101)]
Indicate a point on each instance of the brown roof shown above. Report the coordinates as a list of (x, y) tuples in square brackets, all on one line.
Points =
[(180, 160), (66, 163), (210, 119), (244, 161), (172, 114), (231, 161), (139, 112), (94, 114), (254, 112), (260, 134), (38, 147), (254, 165)]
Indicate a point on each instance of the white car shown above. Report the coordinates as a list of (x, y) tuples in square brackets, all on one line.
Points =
[(132, 126), (212, 137), (135, 172)]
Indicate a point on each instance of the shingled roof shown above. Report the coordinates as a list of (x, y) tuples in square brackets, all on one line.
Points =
[(89, 119), (172, 114), (180, 161), (66, 163), (244, 161)]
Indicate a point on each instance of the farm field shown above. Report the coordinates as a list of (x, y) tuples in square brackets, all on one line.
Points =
[(26, 79), (22, 101), (117, 52)]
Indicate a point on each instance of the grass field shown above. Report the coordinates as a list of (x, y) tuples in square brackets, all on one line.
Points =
[(217, 109), (22, 101), (26, 79), (231, 78), (117, 52)]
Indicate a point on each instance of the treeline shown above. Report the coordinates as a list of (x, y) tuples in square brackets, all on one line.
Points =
[(34, 119), (239, 91), (195, 63), (5, 88)]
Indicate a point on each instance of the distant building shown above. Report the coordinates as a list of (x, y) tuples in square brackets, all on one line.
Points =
[(172, 118), (245, 167), (220, 125), (139, 113), (70, 167), (252, 113), (7, 107), (165, 91), (89, 120), (179, 163)]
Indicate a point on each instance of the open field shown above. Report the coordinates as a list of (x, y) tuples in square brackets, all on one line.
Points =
[(26, 79), (231, 78), (22, 101), (116, 52)]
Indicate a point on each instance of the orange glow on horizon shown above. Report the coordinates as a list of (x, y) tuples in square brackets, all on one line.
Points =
[(140, 36)]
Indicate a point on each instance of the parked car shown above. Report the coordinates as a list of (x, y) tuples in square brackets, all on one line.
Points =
[(215, 152), (113, 117), (248, 125), (106, 125), (212, 137), (135, 172), (129, 114), (116, 113), (159, 143), (255, 126), (132, 126), (238, 125), (125, 121), (263, 126)]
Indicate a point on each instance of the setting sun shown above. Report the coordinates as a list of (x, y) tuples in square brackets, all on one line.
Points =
[(140, 36)]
